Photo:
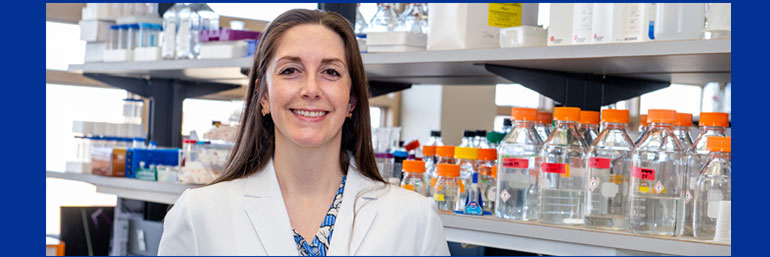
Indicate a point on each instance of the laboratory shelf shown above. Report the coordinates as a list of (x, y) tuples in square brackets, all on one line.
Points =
[(484, 231), (150, 191), (564, 240), (684, 62)]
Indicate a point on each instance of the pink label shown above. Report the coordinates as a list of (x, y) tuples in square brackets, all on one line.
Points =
[(560, 168), (599, 163), (643, 173), (515, 163)]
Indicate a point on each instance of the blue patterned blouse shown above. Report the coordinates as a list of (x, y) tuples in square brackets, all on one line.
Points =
[(324, 235)]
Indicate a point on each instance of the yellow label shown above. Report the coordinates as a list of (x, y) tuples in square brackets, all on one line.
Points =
[(438, 197), (504, 15), (644, 189), (617, 179), (408, 187), (566, 171)]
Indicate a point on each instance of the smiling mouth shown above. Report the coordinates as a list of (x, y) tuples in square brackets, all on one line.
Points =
[(309, 113)]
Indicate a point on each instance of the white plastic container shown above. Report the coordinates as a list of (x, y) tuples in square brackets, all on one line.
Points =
[(393, 41), (523, 36), (223, 49), (95, 30), (118, 55), (475, 25), (678, 21), (560, 24), (638, 22), (582, 19), (719, 20), (607, 23), (95, 51)]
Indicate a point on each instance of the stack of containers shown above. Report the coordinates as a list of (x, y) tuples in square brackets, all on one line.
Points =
[(656, 199), (562, 171), (95, 29)]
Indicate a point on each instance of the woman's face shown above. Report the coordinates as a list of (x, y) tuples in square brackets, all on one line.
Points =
[(308, 86)]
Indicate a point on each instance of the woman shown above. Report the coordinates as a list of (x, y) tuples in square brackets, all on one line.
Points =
[(302, 179)]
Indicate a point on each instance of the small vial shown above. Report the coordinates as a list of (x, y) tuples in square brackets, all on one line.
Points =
[(712, 187), (487, 182), (446, 193), (544, 125), (589, 126), (413, 176)]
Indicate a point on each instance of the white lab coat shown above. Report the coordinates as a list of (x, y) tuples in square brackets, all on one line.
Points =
[(247, 216)]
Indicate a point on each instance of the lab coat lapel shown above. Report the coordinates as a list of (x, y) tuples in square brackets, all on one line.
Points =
[(343, 241), (267, 212)]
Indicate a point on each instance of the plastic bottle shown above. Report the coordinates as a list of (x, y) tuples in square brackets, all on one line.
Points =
[(543, 125), (398, 157), (682, 129), (466, 157), (467, 140), (680, 21), (487, 181), (480, 139), (656, 198), (187, 40), (209, 19), (643, 123), (518, 164), (435, 138), (473, 202), (384, 20), (589, 125), (413, 177), (713, 186), (609, 166), (494, 138), (414, 18), (447, 190), (562, 171), (712, 124), (718, 20), (170, 28), (360, 25)]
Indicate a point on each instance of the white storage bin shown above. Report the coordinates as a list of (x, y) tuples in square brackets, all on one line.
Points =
[(523, 36), (223, 49), (678, 21), (118, 55), (95, 51), (395, 41), (95, 30), (142, 54), (476, 25), (560, 24)]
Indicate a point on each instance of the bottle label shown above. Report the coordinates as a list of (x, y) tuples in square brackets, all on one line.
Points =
[(408, 187), (504, 15), (438, 197), (599, 163), (504, 195), (643, 173), (560, 168), (515, 163), (473, 208)]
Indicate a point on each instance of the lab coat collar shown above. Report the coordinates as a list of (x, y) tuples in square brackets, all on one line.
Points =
[(268, 215)]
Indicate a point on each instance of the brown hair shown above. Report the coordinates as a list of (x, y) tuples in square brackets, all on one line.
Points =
[(255, 142)]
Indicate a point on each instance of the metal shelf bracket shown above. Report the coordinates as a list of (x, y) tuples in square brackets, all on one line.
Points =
[(587, 91)]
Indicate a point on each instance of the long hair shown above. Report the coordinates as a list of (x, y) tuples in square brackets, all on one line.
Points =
[(255, 142)]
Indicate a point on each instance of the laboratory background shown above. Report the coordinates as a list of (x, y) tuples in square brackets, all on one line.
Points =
[(537, 128)]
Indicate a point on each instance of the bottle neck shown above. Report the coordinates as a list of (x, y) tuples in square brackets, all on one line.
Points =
[(709, 130), (566, 124), (523, 123), (445, 160), (713, 155), (589, 126), (659, 126), (613, 125)]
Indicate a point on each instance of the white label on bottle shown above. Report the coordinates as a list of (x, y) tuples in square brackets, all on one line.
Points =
[(713, 197), (492, 194), (504, 195), (609, 190)]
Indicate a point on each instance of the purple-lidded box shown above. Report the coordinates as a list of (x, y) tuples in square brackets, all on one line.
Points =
[(228, 35)]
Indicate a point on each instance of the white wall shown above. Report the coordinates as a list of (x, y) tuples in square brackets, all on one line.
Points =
[(420, 112)]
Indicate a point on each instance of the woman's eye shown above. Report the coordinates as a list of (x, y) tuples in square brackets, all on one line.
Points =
[(288, 71), (332, 72)]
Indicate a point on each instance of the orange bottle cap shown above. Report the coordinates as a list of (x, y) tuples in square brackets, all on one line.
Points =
[(544, 117), (412, 145), (448, 170), (683, 119), (445, 151), (566, 113), (487, 154), (589, 117), (615, 116), (719, 144), (429, 150), (714, 119), (467, 153), (529, 114), (643, 120), (413, 166), (661, 116)]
